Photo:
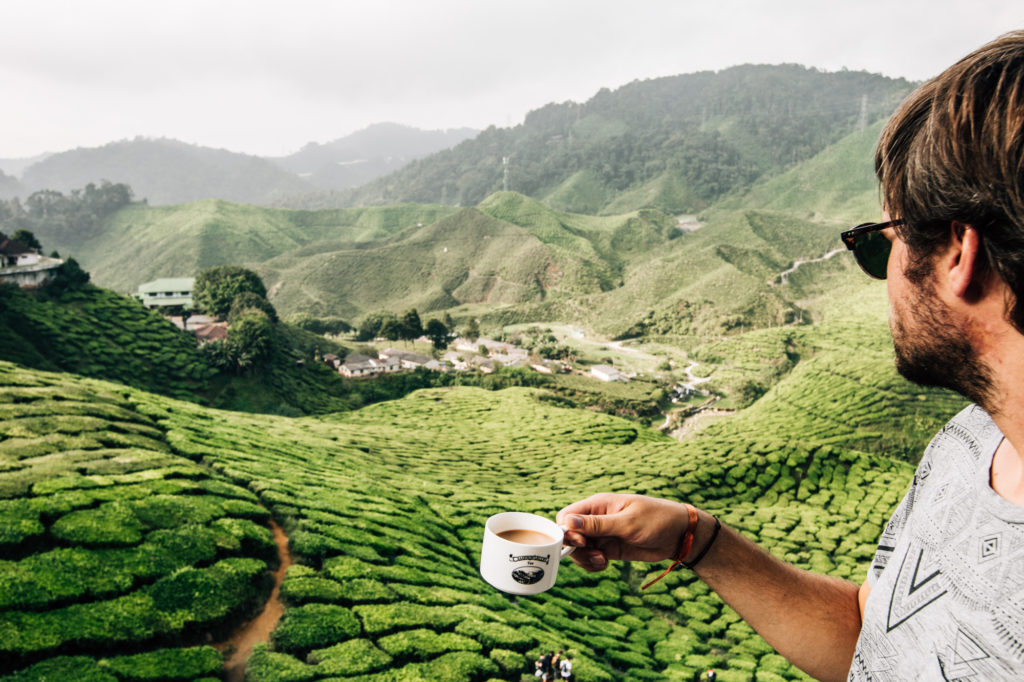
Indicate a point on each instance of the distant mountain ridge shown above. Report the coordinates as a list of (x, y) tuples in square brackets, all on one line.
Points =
[(165, 171), (366, 154)]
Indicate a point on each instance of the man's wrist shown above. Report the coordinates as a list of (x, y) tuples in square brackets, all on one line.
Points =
[(704, 538)]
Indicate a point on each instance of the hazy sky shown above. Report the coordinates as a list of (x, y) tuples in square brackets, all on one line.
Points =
[(267, 77)]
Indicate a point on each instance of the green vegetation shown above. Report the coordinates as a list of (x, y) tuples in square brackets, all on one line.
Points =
[(676, 143), (133, 520), (216, 289), (95, 332)]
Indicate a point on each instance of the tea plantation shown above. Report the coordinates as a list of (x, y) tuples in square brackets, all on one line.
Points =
[(134, 527)]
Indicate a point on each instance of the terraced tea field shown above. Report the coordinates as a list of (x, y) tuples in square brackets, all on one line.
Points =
[(134, 528)]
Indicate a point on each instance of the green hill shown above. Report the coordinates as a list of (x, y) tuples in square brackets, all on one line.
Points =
[(512, 258), (95, 332), (509, 251), (140, 243)]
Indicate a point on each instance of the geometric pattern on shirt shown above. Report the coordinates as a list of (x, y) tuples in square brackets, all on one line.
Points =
[(914, 589), (966, 651)]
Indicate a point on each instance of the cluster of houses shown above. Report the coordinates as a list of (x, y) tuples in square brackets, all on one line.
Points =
[(483, 355), (24, 266), (388, 360)]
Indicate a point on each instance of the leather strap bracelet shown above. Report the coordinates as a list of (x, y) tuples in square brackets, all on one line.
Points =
[(714, 535), (684, 547)]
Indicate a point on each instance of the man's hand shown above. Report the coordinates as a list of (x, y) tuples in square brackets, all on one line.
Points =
[(631, 527)]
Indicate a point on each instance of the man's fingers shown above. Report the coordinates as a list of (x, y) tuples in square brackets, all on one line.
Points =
[(590, 559), (574, 539)]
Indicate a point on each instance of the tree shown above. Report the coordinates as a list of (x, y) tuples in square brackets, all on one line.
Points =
[(472, 329), (437, 332), (391, 329), (215, 288), (252, 335), (23, 236), (370, 327), (412, 327), (69, 275), (250, 300)]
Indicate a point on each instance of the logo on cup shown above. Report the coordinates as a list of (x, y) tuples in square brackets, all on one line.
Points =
[(528, 575), (528, 557)]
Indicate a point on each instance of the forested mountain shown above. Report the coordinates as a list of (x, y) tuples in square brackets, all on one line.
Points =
[(677, 143), (509, 259), (164, 171), (367, 154)]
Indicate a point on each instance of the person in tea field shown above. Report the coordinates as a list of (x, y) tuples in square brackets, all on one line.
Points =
[(565, 667), (944, 595)]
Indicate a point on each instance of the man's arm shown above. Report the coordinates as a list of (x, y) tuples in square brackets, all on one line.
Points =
[(813, 620)]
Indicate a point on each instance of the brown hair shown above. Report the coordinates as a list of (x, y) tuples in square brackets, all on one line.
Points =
[(954, 151)]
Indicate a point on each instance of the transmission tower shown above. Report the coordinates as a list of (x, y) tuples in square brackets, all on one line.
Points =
[(504, 181)]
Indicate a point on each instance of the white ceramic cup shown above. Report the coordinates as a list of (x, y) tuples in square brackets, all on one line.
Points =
[(519, 568)]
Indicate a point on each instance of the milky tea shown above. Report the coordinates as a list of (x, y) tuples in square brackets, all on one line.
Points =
[(520, 552), (526, 537)]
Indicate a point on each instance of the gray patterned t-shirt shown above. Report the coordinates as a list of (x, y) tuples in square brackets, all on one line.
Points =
[(947, 581)]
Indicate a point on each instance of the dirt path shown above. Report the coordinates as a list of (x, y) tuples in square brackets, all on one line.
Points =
[(259, 628), (784, 275)]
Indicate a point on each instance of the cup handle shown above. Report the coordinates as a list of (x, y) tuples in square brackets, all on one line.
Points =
[(567, 550)]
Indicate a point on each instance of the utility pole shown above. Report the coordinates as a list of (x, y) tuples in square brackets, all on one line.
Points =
[(862, 122)]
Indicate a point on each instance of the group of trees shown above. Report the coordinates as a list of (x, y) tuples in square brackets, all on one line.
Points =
[(406, 327), (64, 218), (239, 295)]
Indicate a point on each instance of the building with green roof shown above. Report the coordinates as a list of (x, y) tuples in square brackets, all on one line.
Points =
[(170, 291)]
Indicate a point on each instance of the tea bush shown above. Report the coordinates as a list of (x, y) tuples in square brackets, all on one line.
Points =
[(314, 626)]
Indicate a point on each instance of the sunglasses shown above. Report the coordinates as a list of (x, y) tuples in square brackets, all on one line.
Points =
[(870, 247)]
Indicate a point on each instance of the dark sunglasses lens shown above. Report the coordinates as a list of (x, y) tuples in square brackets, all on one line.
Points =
[(872, 252)]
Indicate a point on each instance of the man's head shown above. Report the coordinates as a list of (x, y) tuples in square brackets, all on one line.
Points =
[(951, 161), (954, 153)]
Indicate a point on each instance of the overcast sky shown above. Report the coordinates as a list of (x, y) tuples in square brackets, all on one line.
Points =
[(267, 77)]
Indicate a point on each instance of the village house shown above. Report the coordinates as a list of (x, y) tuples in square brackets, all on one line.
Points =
[(24, 266), (166, 292), (405, 359), (357, 365), (607, 373), (212, 331), (456, 360)]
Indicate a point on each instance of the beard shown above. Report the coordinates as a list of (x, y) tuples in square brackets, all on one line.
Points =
[(932, 350)]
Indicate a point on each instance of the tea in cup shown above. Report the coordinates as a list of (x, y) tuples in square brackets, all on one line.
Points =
[(520, 552)]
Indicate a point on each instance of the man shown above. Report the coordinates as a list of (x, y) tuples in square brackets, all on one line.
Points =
[(944, 597), (565, 667)]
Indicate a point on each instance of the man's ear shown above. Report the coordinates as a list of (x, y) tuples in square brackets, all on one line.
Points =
[(964, 261)]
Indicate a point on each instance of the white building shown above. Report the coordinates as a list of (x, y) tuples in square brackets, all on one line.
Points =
[(24, 266)]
